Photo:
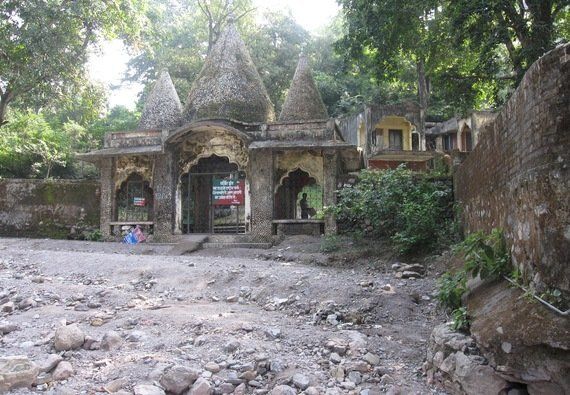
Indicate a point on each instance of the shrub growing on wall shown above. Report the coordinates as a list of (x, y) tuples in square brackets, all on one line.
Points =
[(411, 209)]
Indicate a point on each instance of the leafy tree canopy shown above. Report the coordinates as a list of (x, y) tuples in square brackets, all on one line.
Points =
[(44, 43)]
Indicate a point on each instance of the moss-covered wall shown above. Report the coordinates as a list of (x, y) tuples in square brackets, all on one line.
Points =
[(48, 208)]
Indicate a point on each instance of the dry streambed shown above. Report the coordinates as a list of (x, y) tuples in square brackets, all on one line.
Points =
[(79, 317)]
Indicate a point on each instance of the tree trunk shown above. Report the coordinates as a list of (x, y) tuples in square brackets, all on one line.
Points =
[(423, 96), (3, 108)]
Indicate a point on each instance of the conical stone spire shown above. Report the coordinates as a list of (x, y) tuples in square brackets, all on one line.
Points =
[(303, 101), (229, 85), (162, 109)]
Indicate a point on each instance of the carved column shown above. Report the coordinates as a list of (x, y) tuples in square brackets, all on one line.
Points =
[(261, 194), (106, 167), (163, 196), (330, 171)]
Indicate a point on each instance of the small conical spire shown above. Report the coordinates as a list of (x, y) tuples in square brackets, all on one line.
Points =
[(229, 85), (162, 109), (303, 101)]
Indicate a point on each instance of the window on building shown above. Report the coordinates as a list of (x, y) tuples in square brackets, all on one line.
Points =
[(449, 142), (395, 139)]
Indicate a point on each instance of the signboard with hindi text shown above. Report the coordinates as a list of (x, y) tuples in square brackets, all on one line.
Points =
[(227, 192)]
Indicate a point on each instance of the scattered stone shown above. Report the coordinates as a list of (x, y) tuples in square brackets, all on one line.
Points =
[(332, 319), (111, 341), (178, 379), (7, 327), (116, 385), (201, 387), (386, 380), (8, 307), (312, 391), (49, 363), (16, 372), (300, 381), (68, 337), (355, 377), (335, 358), (348, 385), (26, 303), (240, 389), (283, 390), (145, 389), (372, 359), (63, 371), (337, 373), (232, 299), (212, 367), (410, 274), (228, 388), (248, 375), (136, 336), (231, 346), (273, 333)]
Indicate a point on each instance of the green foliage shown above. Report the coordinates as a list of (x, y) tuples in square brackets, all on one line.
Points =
[(460, 319), (485, 255), (407, 207), (44, 45), (30, 147), (330, 243), (96, 235), (451, 289)]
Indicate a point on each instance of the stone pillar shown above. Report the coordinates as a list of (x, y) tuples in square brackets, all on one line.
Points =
[(107, 172), (163, 196), (330, 173), (261, 194)]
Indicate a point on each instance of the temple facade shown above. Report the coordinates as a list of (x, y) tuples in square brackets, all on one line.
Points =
[(223, 163)]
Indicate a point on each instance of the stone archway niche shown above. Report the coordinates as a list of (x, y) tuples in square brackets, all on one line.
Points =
[(209, 151)]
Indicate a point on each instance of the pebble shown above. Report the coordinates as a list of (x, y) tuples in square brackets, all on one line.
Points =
[(212, 367), (111, 341), (145, 389), (300, 381), (63, 371)]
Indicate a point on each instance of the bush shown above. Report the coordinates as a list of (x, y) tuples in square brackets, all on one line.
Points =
[(409, 208), (330, 243), (485, 256)]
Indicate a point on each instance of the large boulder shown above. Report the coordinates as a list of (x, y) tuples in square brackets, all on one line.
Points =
[(68, 337), (178, 379), (16, 372), (523, 340)]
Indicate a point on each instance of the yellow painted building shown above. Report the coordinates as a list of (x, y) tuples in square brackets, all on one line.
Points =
[(393, 133)]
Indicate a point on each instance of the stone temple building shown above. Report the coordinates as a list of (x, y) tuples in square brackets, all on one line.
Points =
[(222, 163)]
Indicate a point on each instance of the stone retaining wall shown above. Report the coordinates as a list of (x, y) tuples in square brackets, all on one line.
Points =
[(518, 179), (48, 208)]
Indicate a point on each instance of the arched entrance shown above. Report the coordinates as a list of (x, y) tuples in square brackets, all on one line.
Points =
[(291, 192), (467, 139), (134, 200), (212, 197)]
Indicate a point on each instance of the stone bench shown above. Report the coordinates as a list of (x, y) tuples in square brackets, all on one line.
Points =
[(287, 227), (116, 226)]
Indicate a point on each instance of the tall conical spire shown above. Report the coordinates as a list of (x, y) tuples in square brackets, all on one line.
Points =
[(229, 85), (303, 101), (162, 109)]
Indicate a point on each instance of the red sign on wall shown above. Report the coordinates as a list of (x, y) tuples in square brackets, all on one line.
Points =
[(228, 192)]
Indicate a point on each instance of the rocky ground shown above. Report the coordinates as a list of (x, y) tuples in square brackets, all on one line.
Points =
[(88, 317)]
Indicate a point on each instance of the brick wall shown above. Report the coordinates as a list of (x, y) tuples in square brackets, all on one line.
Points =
[(517, 178), (48, 208)]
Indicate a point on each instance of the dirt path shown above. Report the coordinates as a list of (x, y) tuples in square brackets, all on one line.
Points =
[(247, 321)]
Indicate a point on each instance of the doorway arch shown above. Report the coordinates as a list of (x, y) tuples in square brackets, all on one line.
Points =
[(212, 197), (290, 192)]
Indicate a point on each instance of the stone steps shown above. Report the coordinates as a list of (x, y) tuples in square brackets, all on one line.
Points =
[(236, 245)]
